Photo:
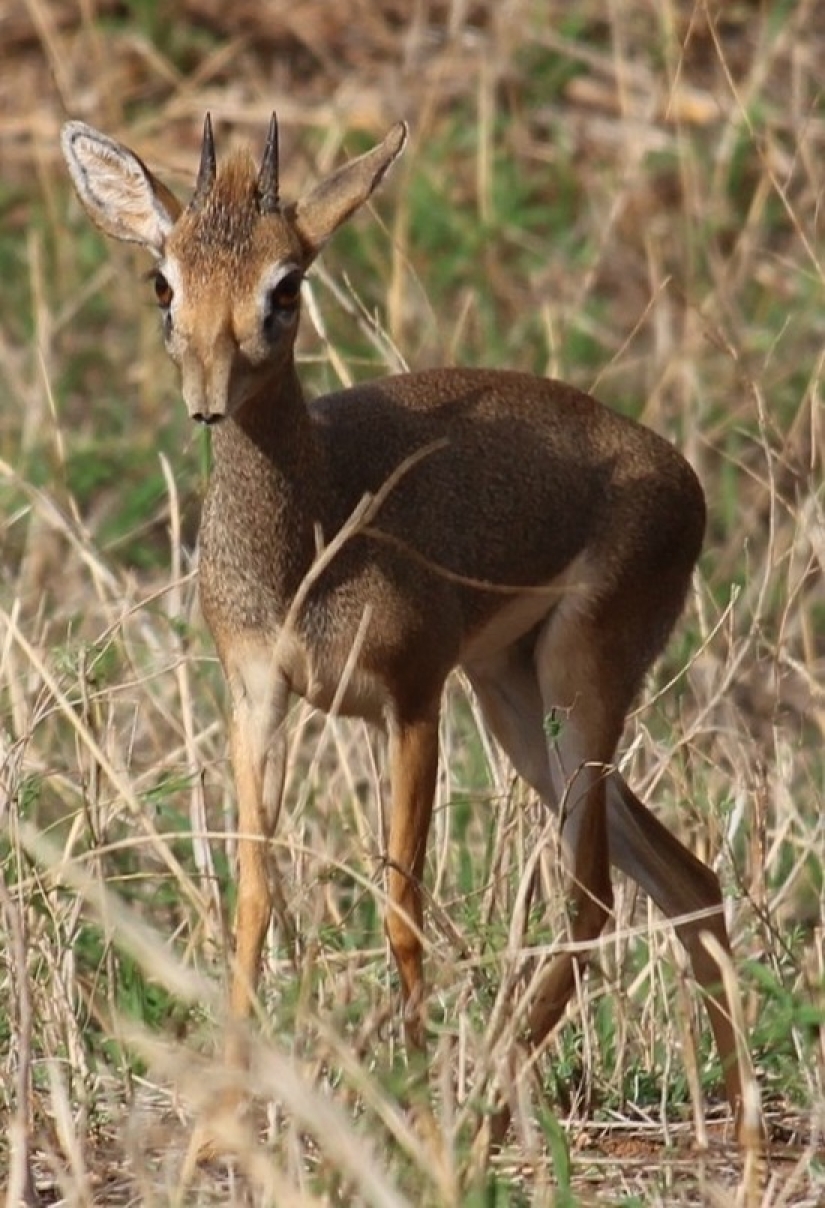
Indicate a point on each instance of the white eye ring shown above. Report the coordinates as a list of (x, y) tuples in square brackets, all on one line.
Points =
[(167, 285), (280, 296)]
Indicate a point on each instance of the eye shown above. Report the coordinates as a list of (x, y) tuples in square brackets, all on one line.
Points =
[(282, 300), (163, 291)]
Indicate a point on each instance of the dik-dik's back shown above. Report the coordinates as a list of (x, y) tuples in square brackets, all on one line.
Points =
[(522, 475)]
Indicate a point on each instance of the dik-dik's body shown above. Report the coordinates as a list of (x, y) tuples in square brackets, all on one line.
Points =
[(518, 529), (622, 512)]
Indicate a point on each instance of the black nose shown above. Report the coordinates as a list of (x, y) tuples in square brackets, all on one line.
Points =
[(212, 418)]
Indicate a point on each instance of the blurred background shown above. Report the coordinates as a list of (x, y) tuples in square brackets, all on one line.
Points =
[(627, 195)]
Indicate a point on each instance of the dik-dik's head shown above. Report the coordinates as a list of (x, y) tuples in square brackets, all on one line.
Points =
[(229, 264)]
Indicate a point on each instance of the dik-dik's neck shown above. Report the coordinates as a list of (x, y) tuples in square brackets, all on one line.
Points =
[(269, 436), (260, 511)]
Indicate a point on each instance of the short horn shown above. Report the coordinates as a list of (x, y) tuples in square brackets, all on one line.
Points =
[(268, 200), (208, 167)]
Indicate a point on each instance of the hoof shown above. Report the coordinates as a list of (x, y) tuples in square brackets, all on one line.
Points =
[(222, 1133)]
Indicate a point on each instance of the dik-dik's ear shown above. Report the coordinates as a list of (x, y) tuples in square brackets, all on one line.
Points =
[(331, 202), (118, 191)]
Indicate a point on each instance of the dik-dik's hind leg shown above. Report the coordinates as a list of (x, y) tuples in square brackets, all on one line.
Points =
[(680, 885), (566, 774), (583, 700), (518, 690), (639, 845)]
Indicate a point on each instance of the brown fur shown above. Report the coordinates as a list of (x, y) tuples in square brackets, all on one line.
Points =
[(531, 536)]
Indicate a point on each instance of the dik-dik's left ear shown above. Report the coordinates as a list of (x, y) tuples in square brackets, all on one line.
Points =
[(119, 193), (317, 215)]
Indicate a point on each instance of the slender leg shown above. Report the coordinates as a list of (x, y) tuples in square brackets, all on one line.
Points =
[(639, 845), (679, 884), (589, 723), (414, 765), (258, 748), (512, 703), (516, 694)]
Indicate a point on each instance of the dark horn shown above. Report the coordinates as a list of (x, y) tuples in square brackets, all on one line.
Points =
[(208, 166), (268, 201)]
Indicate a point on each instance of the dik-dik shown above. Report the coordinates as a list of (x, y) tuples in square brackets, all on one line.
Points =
[(519, 530)]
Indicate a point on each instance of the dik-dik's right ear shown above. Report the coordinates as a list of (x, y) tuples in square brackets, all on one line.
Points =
[(119, 193), (331, 202)]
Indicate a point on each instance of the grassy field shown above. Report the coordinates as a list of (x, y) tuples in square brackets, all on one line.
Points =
[(628, 195)]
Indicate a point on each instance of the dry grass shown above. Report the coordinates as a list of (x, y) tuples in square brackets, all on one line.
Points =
[(629, 197)]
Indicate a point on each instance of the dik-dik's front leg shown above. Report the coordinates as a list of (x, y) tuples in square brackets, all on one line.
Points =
[(258, 744), (413, 770), (258, 747)]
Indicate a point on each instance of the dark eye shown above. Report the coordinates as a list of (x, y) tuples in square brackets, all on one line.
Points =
[(282, 300), (163, 291)]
